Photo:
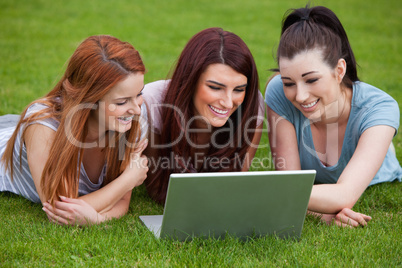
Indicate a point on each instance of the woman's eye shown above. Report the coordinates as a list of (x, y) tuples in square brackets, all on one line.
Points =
[(310, 81), (121, 103), (214, 87), (240, 89), (288, 84)]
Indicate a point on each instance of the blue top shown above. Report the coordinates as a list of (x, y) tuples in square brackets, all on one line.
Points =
[(370, 107)]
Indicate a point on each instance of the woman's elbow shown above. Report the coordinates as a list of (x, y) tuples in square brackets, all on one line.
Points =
[(348, 200)]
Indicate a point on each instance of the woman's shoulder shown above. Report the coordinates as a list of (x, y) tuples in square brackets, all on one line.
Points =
[(274, 82), (274, 90), (154, 92), (276, 100), (36, 108), (366, 95), (372, 106)]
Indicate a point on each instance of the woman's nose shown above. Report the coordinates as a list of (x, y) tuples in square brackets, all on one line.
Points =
[(135, 107), (301, 94), (226, 101)]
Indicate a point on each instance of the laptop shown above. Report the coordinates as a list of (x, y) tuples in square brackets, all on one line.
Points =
[(240, 204)]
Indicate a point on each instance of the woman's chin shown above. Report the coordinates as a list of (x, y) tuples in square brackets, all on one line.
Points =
[(122, 128), (218, 122)]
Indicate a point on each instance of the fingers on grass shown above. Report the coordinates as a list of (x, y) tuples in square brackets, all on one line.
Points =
[(53, 217), (61, 210), (340, 224), (366, 217), (346, 221), (360, 218), (343, 224)]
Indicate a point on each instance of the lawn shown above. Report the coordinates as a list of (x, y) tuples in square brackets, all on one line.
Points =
[(38, 36)]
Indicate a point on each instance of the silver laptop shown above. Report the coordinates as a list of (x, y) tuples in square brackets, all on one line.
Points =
[(241, 204)]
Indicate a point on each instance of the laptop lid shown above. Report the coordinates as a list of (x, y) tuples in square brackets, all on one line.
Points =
[(242, 204)]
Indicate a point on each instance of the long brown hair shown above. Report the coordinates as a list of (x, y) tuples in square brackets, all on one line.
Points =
[(99, 63), (210, 46)]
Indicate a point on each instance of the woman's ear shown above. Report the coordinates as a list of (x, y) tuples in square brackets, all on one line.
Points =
[(340, 70)]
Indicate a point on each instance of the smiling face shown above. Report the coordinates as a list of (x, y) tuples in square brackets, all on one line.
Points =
[(312, 86), (220, 91), (123, 101)]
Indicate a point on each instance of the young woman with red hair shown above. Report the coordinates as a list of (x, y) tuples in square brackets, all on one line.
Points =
[(73, 149), (209, 115)]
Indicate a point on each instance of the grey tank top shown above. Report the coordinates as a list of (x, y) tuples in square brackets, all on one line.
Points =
[(22, 183)]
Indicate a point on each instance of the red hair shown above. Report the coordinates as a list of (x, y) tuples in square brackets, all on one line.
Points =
[(210, 46), (99, 63)]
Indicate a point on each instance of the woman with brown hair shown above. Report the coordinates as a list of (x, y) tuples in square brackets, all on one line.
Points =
[(209, 115), (322, 117), (78, 149)]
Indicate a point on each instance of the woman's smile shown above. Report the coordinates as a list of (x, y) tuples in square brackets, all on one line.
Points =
[(310, 106), (219, 112)]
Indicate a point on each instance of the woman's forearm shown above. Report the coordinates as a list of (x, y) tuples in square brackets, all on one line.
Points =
[(108, 196), (119, 209), (331, 198)]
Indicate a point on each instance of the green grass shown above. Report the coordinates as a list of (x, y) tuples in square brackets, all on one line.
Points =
[(38, 36), (30, 240)]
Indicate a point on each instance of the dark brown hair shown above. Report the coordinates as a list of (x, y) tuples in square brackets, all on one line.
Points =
[(210, 46), (317, 27)]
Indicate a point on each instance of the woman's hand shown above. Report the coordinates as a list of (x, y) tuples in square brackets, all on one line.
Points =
[(346, 218), (137, 168), (70, 211)]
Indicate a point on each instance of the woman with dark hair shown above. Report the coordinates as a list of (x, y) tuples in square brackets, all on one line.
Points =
[(208, 116), (73, 149), (322, 117)]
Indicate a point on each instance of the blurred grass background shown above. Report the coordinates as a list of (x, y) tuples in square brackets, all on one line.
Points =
[(37, 37)]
